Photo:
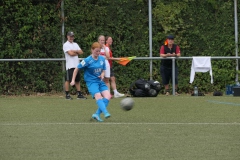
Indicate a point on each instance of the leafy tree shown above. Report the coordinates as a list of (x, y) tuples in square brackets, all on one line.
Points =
[(33, 29)]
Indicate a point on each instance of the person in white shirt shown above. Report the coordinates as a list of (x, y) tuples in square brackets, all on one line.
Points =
[(105, 52), (109, 42), (71, 51)]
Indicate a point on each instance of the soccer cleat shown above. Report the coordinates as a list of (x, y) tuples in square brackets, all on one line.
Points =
[(107, 115), (68, 97), (118, 95), (80, 96), (97, 118), (167, 93)]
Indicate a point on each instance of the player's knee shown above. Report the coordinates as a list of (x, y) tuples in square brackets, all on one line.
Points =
[(108, 96), (98, 96)]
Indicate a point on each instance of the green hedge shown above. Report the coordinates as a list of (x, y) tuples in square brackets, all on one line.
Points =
[(32, 29)]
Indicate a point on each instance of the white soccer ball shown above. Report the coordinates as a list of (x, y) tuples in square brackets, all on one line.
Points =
[(127, 104)]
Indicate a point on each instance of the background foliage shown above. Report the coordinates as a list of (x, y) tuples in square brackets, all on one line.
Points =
[(32, 29)]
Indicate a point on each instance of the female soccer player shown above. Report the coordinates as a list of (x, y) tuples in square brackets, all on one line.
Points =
[(94, 69)]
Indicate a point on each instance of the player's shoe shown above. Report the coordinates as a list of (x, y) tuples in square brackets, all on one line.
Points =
[(97, 118), (107, 115), (68, 97), (118, 95), (80, 96), (167, 94)]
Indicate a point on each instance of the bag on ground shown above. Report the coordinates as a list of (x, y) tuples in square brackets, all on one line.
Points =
[(144, 88)]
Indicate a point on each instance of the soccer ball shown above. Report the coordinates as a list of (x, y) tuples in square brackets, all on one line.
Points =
[(127, 104)]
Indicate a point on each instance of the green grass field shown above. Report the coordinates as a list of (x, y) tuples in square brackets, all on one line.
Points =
[(161, 128)]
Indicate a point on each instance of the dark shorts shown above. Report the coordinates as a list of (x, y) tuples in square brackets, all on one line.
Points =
[(111, 72), (69, 74), (166, 74)]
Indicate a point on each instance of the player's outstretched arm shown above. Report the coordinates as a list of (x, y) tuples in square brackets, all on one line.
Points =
[(74, 76), (102, 75)]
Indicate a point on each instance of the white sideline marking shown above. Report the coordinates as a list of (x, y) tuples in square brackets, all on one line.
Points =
[(108, 123)]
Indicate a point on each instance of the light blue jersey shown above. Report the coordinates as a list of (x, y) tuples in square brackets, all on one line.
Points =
[(92, 68)]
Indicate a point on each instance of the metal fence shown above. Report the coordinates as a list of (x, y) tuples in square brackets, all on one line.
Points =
[(139, 58)]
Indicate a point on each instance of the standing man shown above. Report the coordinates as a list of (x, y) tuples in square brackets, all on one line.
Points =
[(169, 49), (71, 51)]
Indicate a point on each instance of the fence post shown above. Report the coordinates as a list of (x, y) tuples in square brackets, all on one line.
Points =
[(63, 40), (173, 75)]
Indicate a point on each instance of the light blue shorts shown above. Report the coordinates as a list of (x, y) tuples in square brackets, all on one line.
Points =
[(96, 87)]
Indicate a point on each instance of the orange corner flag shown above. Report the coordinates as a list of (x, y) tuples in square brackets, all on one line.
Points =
[(125, 60)]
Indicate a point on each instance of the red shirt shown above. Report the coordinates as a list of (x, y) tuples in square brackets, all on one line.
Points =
[(110, 54), (163, 52)]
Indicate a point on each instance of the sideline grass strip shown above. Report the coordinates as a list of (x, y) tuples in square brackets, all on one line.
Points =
[(172, 128)]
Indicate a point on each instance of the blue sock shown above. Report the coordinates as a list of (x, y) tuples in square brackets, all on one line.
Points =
[(106, 101), (101, 107), (98, 111)]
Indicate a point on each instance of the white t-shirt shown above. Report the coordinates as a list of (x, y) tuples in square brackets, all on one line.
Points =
[(71, 61), (103, 53)]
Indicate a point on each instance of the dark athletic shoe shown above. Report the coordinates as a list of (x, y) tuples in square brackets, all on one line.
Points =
[(80, 96), (68, 97)]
